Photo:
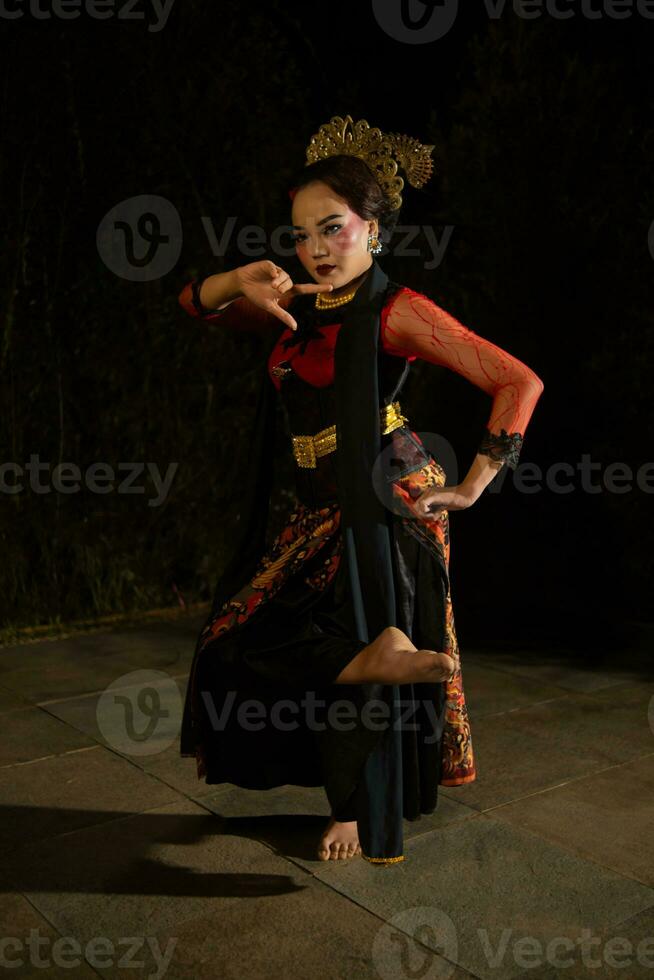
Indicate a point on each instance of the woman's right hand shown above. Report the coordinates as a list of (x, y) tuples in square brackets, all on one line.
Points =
[(264, 283)]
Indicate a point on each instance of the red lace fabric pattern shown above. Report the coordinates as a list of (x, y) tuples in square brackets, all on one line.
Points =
[(414, 324)]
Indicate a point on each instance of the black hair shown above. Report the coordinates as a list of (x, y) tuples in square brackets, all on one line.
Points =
[(352, 179)]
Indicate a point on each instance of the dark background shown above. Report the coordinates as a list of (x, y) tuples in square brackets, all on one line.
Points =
[(543, 141)]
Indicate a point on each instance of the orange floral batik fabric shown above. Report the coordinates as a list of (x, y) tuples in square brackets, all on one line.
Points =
[(458, 759)]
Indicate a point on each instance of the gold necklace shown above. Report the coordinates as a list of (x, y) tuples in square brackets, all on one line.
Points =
[(329, 303)]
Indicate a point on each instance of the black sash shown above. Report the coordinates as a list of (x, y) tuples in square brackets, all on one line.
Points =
[(365, 523)]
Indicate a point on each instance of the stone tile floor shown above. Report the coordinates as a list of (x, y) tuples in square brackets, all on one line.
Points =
[(115, 860)]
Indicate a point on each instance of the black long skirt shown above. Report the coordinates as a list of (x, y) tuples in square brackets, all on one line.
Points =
[(268, 690), (262, 706)]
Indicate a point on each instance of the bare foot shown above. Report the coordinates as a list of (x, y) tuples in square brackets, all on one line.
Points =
[(446, 665), (393, 658), (339, 840)]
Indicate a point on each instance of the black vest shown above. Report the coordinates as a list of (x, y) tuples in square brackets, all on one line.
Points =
[(310, 409)]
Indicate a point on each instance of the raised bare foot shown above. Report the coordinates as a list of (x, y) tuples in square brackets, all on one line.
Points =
[(339, 840), (393, 658)]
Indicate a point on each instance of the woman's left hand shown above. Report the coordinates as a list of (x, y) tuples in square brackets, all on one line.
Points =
[(433, 500)]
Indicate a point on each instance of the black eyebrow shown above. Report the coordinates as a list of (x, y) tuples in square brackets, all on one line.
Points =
[(328, 218)]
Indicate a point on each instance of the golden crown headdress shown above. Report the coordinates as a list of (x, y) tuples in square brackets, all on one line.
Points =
[(381, 151)]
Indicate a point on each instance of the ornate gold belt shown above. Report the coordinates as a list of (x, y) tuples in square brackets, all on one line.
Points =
[(307, 449)]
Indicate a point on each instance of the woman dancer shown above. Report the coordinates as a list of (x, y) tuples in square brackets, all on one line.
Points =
[(351, 604)]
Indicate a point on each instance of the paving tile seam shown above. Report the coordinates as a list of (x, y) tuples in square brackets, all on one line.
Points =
[(541, 655), (518, 670), (600, 693), (577, 854), (519, 707), (269, 847), (90, 694), (377, 915), (120, 818), (55, 755), (566, 782), (147, 773), (42, 914), (504, 669), (436, 830), (126, 627), (590, 697), (634, 915), (566, 695), (108, 748), (164, 782), (15, 711)]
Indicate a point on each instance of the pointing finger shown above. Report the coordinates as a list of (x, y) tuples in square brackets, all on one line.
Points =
[(281, 314), (314, 287)]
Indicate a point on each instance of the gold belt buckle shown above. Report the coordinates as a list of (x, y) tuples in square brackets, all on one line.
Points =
[(392, 418), (304, 451), (307, 449)]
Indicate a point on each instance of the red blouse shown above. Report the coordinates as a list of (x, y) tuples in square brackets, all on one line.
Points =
[(412, 325)]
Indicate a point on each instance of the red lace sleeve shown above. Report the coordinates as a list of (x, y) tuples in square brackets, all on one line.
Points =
[(239, 314), (416, 325)]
